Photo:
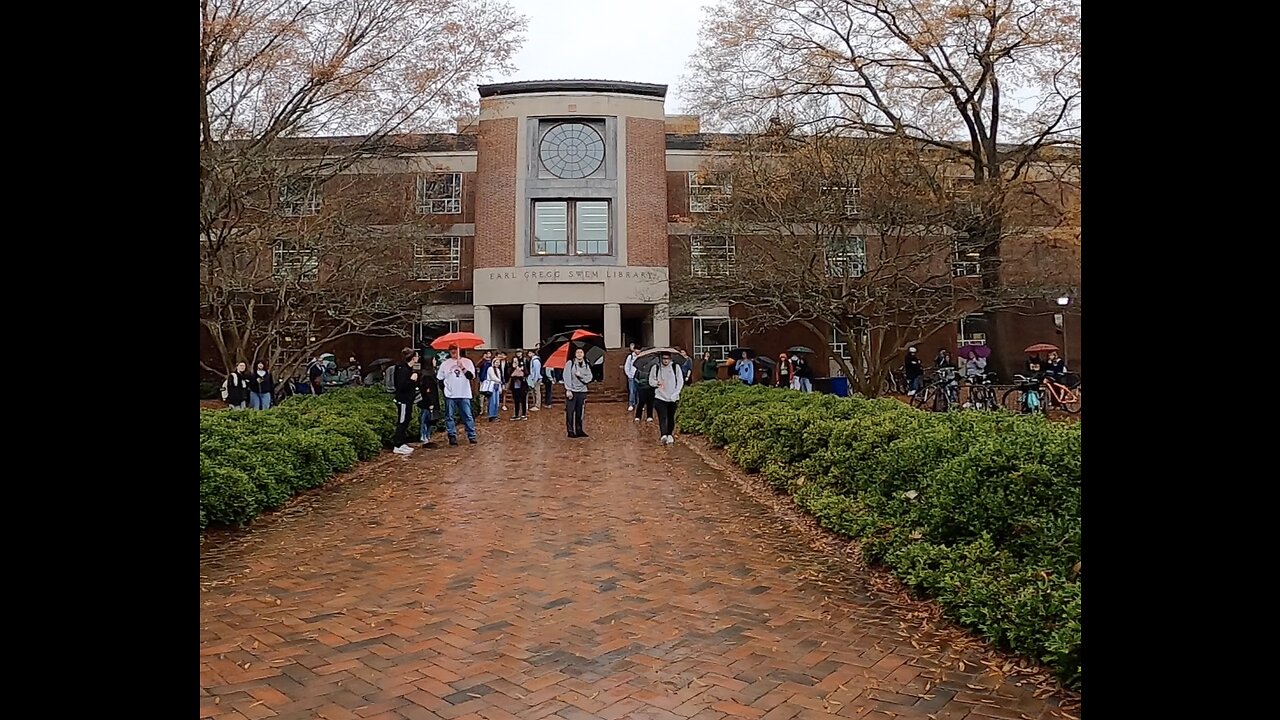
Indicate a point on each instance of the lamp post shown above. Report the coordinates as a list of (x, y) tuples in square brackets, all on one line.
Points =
[(1063, 302)]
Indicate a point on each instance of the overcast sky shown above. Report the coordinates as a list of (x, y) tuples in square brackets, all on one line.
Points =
[(634, 40)]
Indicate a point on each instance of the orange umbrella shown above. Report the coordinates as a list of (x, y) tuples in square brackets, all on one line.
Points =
[(560, 357), (1041, 347), (464, 341)]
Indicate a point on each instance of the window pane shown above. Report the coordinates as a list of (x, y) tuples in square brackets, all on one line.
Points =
[(592, 231), (551, 228)]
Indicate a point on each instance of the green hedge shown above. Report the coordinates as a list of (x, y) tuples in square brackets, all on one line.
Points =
[(253, 461), (980, 511)]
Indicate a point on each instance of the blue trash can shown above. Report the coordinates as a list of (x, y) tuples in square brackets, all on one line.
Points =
[(840, 386)]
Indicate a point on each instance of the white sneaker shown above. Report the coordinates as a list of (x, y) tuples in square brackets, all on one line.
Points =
[(403, 450), (648, 419), (671, 440), (535, 408), (631, 407), (636, 419), (662, 440), (504, 407)]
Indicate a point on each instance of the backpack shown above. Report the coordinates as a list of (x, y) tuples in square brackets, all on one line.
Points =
[(224, 389)]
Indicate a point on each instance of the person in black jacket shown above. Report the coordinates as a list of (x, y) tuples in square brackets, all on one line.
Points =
[(238, 388), (913, 369), (405, 381), (429, 400), (261, 388)]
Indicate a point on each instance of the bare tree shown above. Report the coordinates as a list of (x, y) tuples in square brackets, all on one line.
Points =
[(990, 84), (858, 235), (299, 245)]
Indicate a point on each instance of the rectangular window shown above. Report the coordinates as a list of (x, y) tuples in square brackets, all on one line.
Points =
[(424, 333), (440, 194), (709, 192), (716, 335), (299, 196), (588, 234), (437, 258), (711, 255), (842, 200), (840, 343), (973, 330), (295, 261), (846, 256), (966, 258)]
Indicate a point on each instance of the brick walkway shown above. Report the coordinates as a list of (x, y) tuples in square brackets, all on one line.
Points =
[(533, 576)]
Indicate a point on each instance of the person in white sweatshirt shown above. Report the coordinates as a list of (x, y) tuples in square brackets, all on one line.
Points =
[(456, 374), (629, 367), (667, 380)]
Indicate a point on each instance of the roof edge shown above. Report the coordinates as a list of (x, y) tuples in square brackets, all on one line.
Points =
[(527, 87)]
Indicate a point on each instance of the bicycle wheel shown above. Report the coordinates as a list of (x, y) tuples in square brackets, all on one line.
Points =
[(941, 402), (923, 398), (1013, 401), (1070, 400)]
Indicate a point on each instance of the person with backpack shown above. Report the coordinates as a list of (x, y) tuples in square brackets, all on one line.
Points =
[(644, 396), (576, 376), (667, 380), (236, 388)]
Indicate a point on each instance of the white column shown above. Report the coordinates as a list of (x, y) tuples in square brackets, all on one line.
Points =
[(612, 326), (532, 325), (484, 325), (661, 326)]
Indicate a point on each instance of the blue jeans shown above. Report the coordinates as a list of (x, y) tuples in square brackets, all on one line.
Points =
[(424, 424), (495, 399), (913, 384), (631, 391), (806, 385), (260, 401), (454, 406)]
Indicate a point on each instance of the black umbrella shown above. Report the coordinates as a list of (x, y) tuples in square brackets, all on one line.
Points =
[(380, 362), (736, 353), (650, 357), (800, 349), (766, 361)]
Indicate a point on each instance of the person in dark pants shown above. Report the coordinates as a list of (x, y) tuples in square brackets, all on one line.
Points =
[(644, 396), (576, 377), (548, 382), (429, 390), (913, 370), (518, 381), (315, 374), (405, 381), (667, 380), (237, 385)]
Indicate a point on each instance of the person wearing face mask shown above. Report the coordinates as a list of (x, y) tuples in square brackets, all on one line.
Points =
[(457, 373), (576, 376), (261, 387), (667, 380), (237, 388)]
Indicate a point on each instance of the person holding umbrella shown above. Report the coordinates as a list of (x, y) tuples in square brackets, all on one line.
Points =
[(576, 376), (406, 386), (457, 373), (668, 380), (644, 394), (746, 369), (803, 374)]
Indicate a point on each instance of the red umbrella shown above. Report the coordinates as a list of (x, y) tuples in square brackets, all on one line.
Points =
[(464, 341), (1041, 347), (560, 357)]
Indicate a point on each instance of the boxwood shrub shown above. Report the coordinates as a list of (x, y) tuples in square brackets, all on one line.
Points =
[(254, 461), (980, 511)]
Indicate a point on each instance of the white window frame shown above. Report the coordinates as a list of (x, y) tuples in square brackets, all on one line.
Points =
[(294, 261), (415, 329), (429, 205), (964, 338), (709, 197), (850, 196), (571, 227), (307, 201), (718, 352), (429, 266), (701, 265), (962, 262), (841, 347), (843, 262)]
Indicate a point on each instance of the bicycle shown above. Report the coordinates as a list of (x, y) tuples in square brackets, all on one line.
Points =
[(1038, 394), (939, 394), (982, 396), (894, 383)]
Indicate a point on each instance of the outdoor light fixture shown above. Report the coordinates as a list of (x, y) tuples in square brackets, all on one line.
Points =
[(1064, 301)]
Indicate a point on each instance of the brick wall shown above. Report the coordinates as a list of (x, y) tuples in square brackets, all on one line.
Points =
[(646, 193), (495, 192)]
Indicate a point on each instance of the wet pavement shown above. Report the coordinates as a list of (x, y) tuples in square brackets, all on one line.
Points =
[(538, 576)]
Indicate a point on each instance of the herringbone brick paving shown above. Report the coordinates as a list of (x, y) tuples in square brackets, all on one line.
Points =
[(535, 576)]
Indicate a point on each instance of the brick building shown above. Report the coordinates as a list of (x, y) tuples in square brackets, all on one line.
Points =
[(565, 204)]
